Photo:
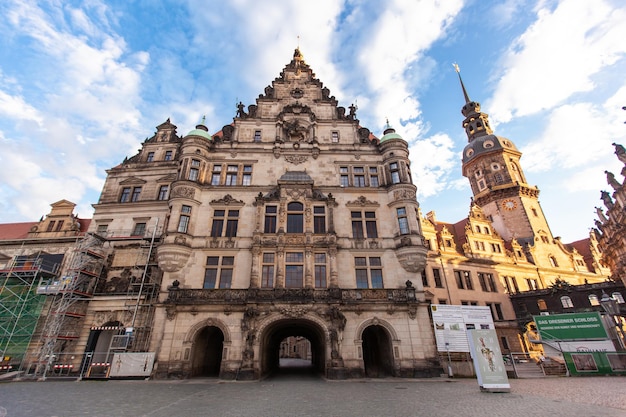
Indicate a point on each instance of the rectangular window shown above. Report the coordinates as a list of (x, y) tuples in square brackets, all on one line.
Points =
[(463, 280), (514, 282), (125, 196), (491, 282), (496, 311), (437, 278), (403, 221), (139, 229), (168, 155), (267, 271), (257, 136), (163, 192), (102, 229), (374, 177), (319, 219), (442, 301), (334, 137), (231, 223), (194, 173), (359, 176), (183, 221), (368, 268), (216, 175), (358, 220), (231, 175), (59, 225), (344, 178), (218, 274), (357, 225), (483, 281), (495, 247), (294, 269), (51, 226), (270, 219), (136, 194), (218, 223), (395, 172), (424, 279), (320, 270), (150, 157), (247, 175)]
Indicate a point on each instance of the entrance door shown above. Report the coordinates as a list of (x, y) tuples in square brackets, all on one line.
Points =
[(377, 354), (207, 352)]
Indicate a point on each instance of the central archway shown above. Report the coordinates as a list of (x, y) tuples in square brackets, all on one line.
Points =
[(278, 331)]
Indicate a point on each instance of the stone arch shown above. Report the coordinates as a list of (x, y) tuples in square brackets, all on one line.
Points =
[(375, 321), (210, 322), (378, 347)]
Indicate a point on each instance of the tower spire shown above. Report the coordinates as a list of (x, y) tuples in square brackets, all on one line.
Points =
[(458, 71)]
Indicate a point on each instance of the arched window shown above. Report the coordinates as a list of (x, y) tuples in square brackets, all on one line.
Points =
[(295, 217), (553, 262), (542, 305), (593, 300), (566, 302), (617, 296)]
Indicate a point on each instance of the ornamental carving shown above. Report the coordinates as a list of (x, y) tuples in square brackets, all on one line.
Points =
[(185, 192), (295, 312), (227, 200), (362, 201), (296, 159), (404, 195)]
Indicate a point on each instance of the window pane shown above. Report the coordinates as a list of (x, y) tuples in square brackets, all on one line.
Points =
[(372, 232), (185, 209), (357, 230), (377, 278), (270, 209), (295, 223), (294, 257), (375, 261), (270, 224), (360, 261), (136, 194), (293, 276), (228, 260), (193, 174), (183, 223), (361, 278), (320, 276), (295, 206), (319, 224), (216, 230), (212, 260), (267, 276), (374, 181), (320, 258), (210, 278), (231, 228), (226, 278)]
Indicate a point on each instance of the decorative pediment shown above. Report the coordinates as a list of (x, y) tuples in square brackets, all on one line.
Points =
[(362, 202), (168, 178), (227, 200), (133, 181)]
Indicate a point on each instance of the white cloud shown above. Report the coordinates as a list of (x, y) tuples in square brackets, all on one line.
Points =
[(557, 56), (433, 161)]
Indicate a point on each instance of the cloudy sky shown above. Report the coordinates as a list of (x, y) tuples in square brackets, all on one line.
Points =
[(83, 83)]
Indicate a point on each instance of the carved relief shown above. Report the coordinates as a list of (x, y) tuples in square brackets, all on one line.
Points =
[(185, 192), (296, 159), (227, 200), (404, 195), (294, 312), (362, 201)]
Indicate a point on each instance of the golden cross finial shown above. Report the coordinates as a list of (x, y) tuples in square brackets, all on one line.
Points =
[(456, 68)]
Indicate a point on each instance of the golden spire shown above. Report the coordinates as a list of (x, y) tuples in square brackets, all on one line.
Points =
[(458, 71)]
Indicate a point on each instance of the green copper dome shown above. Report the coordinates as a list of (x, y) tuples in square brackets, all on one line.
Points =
[(201, 130), (389, 133)]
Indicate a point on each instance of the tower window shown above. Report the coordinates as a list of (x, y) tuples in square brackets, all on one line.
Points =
[(183, 220), (403, 221), (334, 137), (163, 192), (168, 156), (295, 217), (257, 136), (395, 172), (437, 278), (150, 157)]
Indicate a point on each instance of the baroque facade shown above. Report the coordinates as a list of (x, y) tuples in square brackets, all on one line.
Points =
[(293, 220)]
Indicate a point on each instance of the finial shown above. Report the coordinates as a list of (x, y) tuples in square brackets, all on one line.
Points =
[(298, 41), (387, 125), (458, 71), (203, 119)]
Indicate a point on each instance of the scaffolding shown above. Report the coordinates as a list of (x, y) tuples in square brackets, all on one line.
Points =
[(70, 298), (21, 305)]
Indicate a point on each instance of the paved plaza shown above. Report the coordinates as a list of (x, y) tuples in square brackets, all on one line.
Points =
[(304, 395)]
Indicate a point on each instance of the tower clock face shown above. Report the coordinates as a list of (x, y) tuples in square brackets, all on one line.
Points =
[(509, 205)]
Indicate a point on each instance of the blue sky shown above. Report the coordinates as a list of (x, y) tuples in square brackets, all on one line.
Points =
[(82, 84)]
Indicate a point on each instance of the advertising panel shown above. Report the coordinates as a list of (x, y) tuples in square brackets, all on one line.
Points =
[(132, 364), (572, 326), (488, 363), (452, 322)]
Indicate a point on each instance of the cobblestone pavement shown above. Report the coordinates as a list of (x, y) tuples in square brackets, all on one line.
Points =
[(302, 395)]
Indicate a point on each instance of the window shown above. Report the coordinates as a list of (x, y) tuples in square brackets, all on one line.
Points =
[(50, 226), (479, 245), (139, 229), (358, 220), (487, 231), (257, 136), (566, 302), (59, 225), (553, 262), (218, 274), (403, 221), (369, 273), (514, 282), (593, 300), (267, 270), (490, 282), (319, 219), (617, 296), (294, 269), (216, 175), (344, 178), (232, 222), (168, 155), (532, 284), (270, 219), (194, 171), (334, 137), (437, 278), (136, 194), (534, 210), (498, 178), (320, 270), (542, 304), (504, 342), (150, 157), (231, 175), (183, 221), (247, 175), (359, 176), (482, 280), (496, 311), (374, 177), (295, 217), (442, 301), (125, 196), (395, 173), (163, 192), (463, 280), (428, 244), (481, 185), (495, 247), (102, 229)]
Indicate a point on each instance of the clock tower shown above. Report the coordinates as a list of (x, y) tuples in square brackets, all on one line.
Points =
[(492, 165)]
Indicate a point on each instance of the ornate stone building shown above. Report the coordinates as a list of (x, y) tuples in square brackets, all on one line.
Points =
[(293, 220)]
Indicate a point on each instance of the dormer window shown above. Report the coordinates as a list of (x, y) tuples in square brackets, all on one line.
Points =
[(150, 157)]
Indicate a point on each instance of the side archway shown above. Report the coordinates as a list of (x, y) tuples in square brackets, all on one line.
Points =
[(377, 346)]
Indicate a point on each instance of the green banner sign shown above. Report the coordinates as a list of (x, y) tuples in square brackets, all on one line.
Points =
[(573, 326)]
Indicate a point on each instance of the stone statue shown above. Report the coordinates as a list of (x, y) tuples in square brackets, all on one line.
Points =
[(608, 202), (601, 215), (240, 111), (620, 152), (610, 178)]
